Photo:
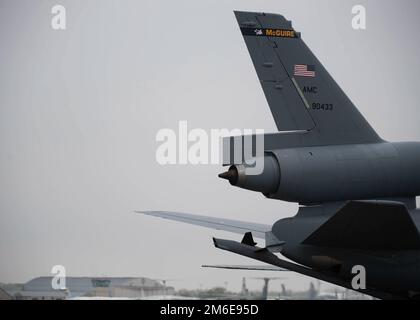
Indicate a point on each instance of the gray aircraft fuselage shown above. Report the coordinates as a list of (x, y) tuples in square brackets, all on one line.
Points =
[(392, 271), (322, 175), (333, 160), (357, 192)]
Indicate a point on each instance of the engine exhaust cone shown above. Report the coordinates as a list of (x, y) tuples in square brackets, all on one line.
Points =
[(231, 175)]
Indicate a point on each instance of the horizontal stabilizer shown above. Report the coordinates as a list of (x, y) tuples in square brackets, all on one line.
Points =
[(258, 230), (368, 225), (250, 268)]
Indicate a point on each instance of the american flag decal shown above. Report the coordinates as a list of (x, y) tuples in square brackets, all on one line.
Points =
[(304, 70)]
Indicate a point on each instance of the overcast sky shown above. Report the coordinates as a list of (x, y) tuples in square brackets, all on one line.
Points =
[(80, 109)]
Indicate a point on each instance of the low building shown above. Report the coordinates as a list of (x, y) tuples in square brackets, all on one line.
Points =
[(4, 295), (107, 287)]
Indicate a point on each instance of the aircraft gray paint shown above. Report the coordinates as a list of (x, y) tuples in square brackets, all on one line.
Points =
[(356, 191)]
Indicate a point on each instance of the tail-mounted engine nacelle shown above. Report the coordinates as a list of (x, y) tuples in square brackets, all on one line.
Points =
[(263, 176), (313, 175)]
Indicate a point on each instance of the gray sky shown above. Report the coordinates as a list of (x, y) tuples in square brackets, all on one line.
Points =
[(80, 108)]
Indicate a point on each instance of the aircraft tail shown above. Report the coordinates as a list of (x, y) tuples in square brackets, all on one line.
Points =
[(301, 94)]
